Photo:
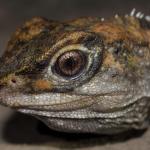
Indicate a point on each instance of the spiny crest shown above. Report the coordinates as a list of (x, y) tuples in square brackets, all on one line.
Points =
[(139, 15)]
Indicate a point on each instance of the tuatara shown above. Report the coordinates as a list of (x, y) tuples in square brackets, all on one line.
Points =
[(87, 75)]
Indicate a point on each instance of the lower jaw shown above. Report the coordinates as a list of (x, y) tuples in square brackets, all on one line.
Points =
[(96, 126), (80, 126)]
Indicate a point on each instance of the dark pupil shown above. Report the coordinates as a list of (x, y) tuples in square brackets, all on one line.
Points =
[(70, 63)]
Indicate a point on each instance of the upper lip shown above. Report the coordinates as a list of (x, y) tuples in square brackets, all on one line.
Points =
[(43, 102), (77, 114)]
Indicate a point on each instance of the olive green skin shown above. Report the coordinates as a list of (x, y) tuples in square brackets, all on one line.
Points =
[(111, 95)]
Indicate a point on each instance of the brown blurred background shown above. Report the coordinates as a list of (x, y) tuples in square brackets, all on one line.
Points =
[(19, 131)]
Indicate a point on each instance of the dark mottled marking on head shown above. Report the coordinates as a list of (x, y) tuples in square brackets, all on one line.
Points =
[(117, 45), (92, 40), (144, 24)]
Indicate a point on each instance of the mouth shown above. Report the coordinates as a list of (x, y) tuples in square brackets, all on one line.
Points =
[(78, 114), (62, 105), (84, 113)]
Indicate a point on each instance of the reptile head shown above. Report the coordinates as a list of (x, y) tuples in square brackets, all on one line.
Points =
[(81, 76)]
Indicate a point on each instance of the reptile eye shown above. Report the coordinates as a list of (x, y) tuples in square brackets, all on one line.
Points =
[(70, 64)]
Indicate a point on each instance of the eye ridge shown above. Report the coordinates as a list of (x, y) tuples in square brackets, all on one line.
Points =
[(70, 63)]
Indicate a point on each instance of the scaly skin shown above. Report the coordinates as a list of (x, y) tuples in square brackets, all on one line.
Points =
[(84, 75)]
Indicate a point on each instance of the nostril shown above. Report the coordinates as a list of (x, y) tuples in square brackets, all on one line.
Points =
[(13, 81)]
